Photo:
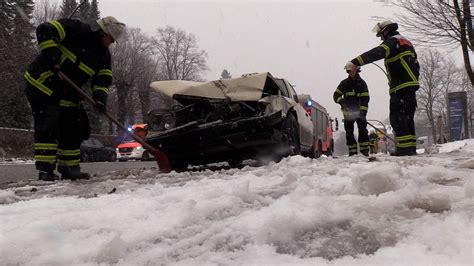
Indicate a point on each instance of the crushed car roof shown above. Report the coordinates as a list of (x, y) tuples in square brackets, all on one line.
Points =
[(246, 88)]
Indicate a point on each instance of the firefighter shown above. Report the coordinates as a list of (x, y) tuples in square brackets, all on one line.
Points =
[(402, 72), (81, 52), (353, 96)]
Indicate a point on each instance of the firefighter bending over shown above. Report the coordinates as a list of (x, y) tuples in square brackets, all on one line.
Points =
[(81, 52), (353, 96)]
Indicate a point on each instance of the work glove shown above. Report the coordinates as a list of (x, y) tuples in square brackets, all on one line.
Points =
[(53, 56), (56, 69), (100, 98)]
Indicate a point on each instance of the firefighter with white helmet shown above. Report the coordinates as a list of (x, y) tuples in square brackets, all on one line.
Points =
[(81, 52), (353, 96), (112, 27), (402, 72)]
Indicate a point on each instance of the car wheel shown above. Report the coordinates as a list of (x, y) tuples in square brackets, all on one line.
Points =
[(292, 134), (235, 163), (85, 158), (145, 156), (331, 148), (314, 150), (318, 151), (179, 166), (113, 157)]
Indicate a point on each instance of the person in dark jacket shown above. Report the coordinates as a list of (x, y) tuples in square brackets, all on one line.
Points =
[(80, 51), (353, 96), (402, 72)]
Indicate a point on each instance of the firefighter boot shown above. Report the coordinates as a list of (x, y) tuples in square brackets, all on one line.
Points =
[(405, 152), (47, 176), (72, 173)]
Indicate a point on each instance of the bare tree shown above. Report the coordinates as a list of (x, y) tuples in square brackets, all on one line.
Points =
[(180, 54), (45, 11), (149, 72), (438, 77), (225, 74), (132, 68), (440, 23)]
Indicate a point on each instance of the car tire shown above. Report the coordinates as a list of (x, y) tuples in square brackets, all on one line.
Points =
[(331, 148), (85, 158), (318, 151), (292, 134), (113, 157), (235, 163), (179, 166), (145, 156), (315, 150)]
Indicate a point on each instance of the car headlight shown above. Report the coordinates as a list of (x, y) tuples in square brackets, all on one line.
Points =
[(168, 121), (139, 148)]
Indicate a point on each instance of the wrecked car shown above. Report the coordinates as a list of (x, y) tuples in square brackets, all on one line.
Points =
[(256, 116)]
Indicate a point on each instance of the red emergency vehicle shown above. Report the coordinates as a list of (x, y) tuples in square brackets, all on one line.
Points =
[(322, 126), (132, 150)]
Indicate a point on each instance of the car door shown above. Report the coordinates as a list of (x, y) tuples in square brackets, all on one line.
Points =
[(304, 121)]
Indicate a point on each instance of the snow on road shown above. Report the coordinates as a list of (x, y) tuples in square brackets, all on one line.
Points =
[(408, 210)]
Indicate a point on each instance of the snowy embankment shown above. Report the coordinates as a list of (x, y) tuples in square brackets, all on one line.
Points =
[(407, 210)]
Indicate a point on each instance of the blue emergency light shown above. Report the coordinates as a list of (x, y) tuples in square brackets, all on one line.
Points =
[(309, 103)]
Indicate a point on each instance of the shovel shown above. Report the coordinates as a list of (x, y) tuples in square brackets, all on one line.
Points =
[(387, 136), (160, 157)]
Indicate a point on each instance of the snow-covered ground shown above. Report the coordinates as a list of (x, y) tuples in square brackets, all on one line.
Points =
[(395, 211)]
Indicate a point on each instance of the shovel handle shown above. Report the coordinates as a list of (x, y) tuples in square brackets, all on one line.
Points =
[(159, 155), (385, 134)]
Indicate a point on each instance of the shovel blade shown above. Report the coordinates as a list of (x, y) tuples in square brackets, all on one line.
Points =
[(162, 161)]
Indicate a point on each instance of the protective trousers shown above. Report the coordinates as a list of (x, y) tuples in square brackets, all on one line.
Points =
[(402, 113), (363, 136), (59, 131)]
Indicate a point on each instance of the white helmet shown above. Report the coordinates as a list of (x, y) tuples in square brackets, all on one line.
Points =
[(381, 26), (111, 26), (349, 65)]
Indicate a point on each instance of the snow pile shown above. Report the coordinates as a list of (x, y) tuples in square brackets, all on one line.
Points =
[(397, 210)]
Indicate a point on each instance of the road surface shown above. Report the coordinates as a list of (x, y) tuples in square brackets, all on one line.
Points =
[(26, 171)]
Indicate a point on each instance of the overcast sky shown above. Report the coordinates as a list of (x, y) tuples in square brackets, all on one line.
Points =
[(306, 42)]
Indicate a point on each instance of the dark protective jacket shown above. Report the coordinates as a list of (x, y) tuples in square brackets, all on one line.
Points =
[(79, 52), (400, 61), (353, 95)]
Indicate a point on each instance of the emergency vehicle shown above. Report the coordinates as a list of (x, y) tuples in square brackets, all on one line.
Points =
[(323, 142), (132, 150)]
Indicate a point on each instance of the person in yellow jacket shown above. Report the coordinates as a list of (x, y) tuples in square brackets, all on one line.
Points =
[(402, 68), (81, 52)]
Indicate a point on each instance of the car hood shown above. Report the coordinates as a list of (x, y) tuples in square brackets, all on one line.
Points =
[(245, 88), (129, 145)]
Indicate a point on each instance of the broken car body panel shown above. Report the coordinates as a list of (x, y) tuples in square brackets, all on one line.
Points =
[(229, 120), (246, 88)]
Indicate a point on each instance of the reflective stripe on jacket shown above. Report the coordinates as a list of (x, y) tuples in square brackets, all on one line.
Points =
[(354, 92), (400, 61), (79, 52)]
